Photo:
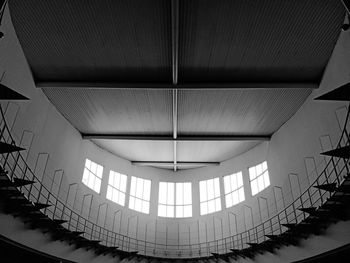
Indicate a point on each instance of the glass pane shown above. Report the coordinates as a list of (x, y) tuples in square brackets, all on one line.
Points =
[(87, 163), (109, 193), (202, 191), (139, 188), (217, 187), (239, 179), (234, 182), (254, 186), (264, 164), (132, 202), (133, 186), (252, 173), (145, 207), (187, 211), (91, 180), (227, 184), (121, 198), (235, 197), (261, 185), (171, 194), (117, 180), (170, 211), (93, 167), (211, 206), (228, 200), (179, 194), (259, 169), (99, 171), (97, 186), (210, 189), (138, 204), (241, 194), (162, 193), (204, 208), (162, 210), (110, 179), (147, 190), (188, 193), (85, 176), (179, 211), (218, 204), (266, 179)]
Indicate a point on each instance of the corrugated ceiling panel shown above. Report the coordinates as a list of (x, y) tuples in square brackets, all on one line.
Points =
[(250, 40), (139, 150), (95, 40), (237, 111), (211, 151), (113, 110)]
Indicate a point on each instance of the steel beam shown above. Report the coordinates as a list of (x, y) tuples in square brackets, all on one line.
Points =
[(155, 137), (178, 86), (170, 164)]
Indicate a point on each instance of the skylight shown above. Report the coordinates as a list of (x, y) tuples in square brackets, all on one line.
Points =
[(210, 201), (175, 199), (92, 175), (259, 177), (234, 190), (140, 193), (116, 188)]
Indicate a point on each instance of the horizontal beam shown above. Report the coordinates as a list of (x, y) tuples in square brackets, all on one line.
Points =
[(171, 164), (179, 86), (256, 137)]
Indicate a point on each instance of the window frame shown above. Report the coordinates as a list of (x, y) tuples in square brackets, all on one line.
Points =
[(216, 198), (238, 191), (133, 198), (115, 189), (174, 207), (258, 177), (92, 174)]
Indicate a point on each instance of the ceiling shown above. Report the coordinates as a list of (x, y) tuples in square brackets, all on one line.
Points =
[(138, 76)]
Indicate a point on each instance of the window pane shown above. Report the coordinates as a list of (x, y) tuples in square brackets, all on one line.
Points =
[(254, 186), (217, 187), (187, 193), (170, 211), (241, 194), (140, 188), (162, 210), (170, 194), (203, 191), (187, 211), (204, 208), (162, 193), (266, 179), (179, 194), (179, 211), (210, 189), (240, 179), (90, 177), (227, 184), (261, 185), (228, 200), (147, 190), (217, 204), (252, 173)]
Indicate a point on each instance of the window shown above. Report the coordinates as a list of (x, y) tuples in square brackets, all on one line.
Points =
[(234, 191), (175, 199), (140, 193), (259, 178), (116, 188), (92, 175), (209, 196)]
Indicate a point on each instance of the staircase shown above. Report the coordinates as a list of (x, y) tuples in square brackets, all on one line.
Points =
[(324, 202)]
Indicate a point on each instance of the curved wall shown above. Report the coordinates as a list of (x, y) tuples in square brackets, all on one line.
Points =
[(312, 128)]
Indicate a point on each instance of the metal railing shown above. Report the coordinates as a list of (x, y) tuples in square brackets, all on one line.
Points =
[(334, 172)]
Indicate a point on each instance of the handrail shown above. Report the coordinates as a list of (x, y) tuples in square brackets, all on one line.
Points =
[(18, 167)]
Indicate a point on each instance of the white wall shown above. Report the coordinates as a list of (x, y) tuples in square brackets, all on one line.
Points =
[(296, 139)]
